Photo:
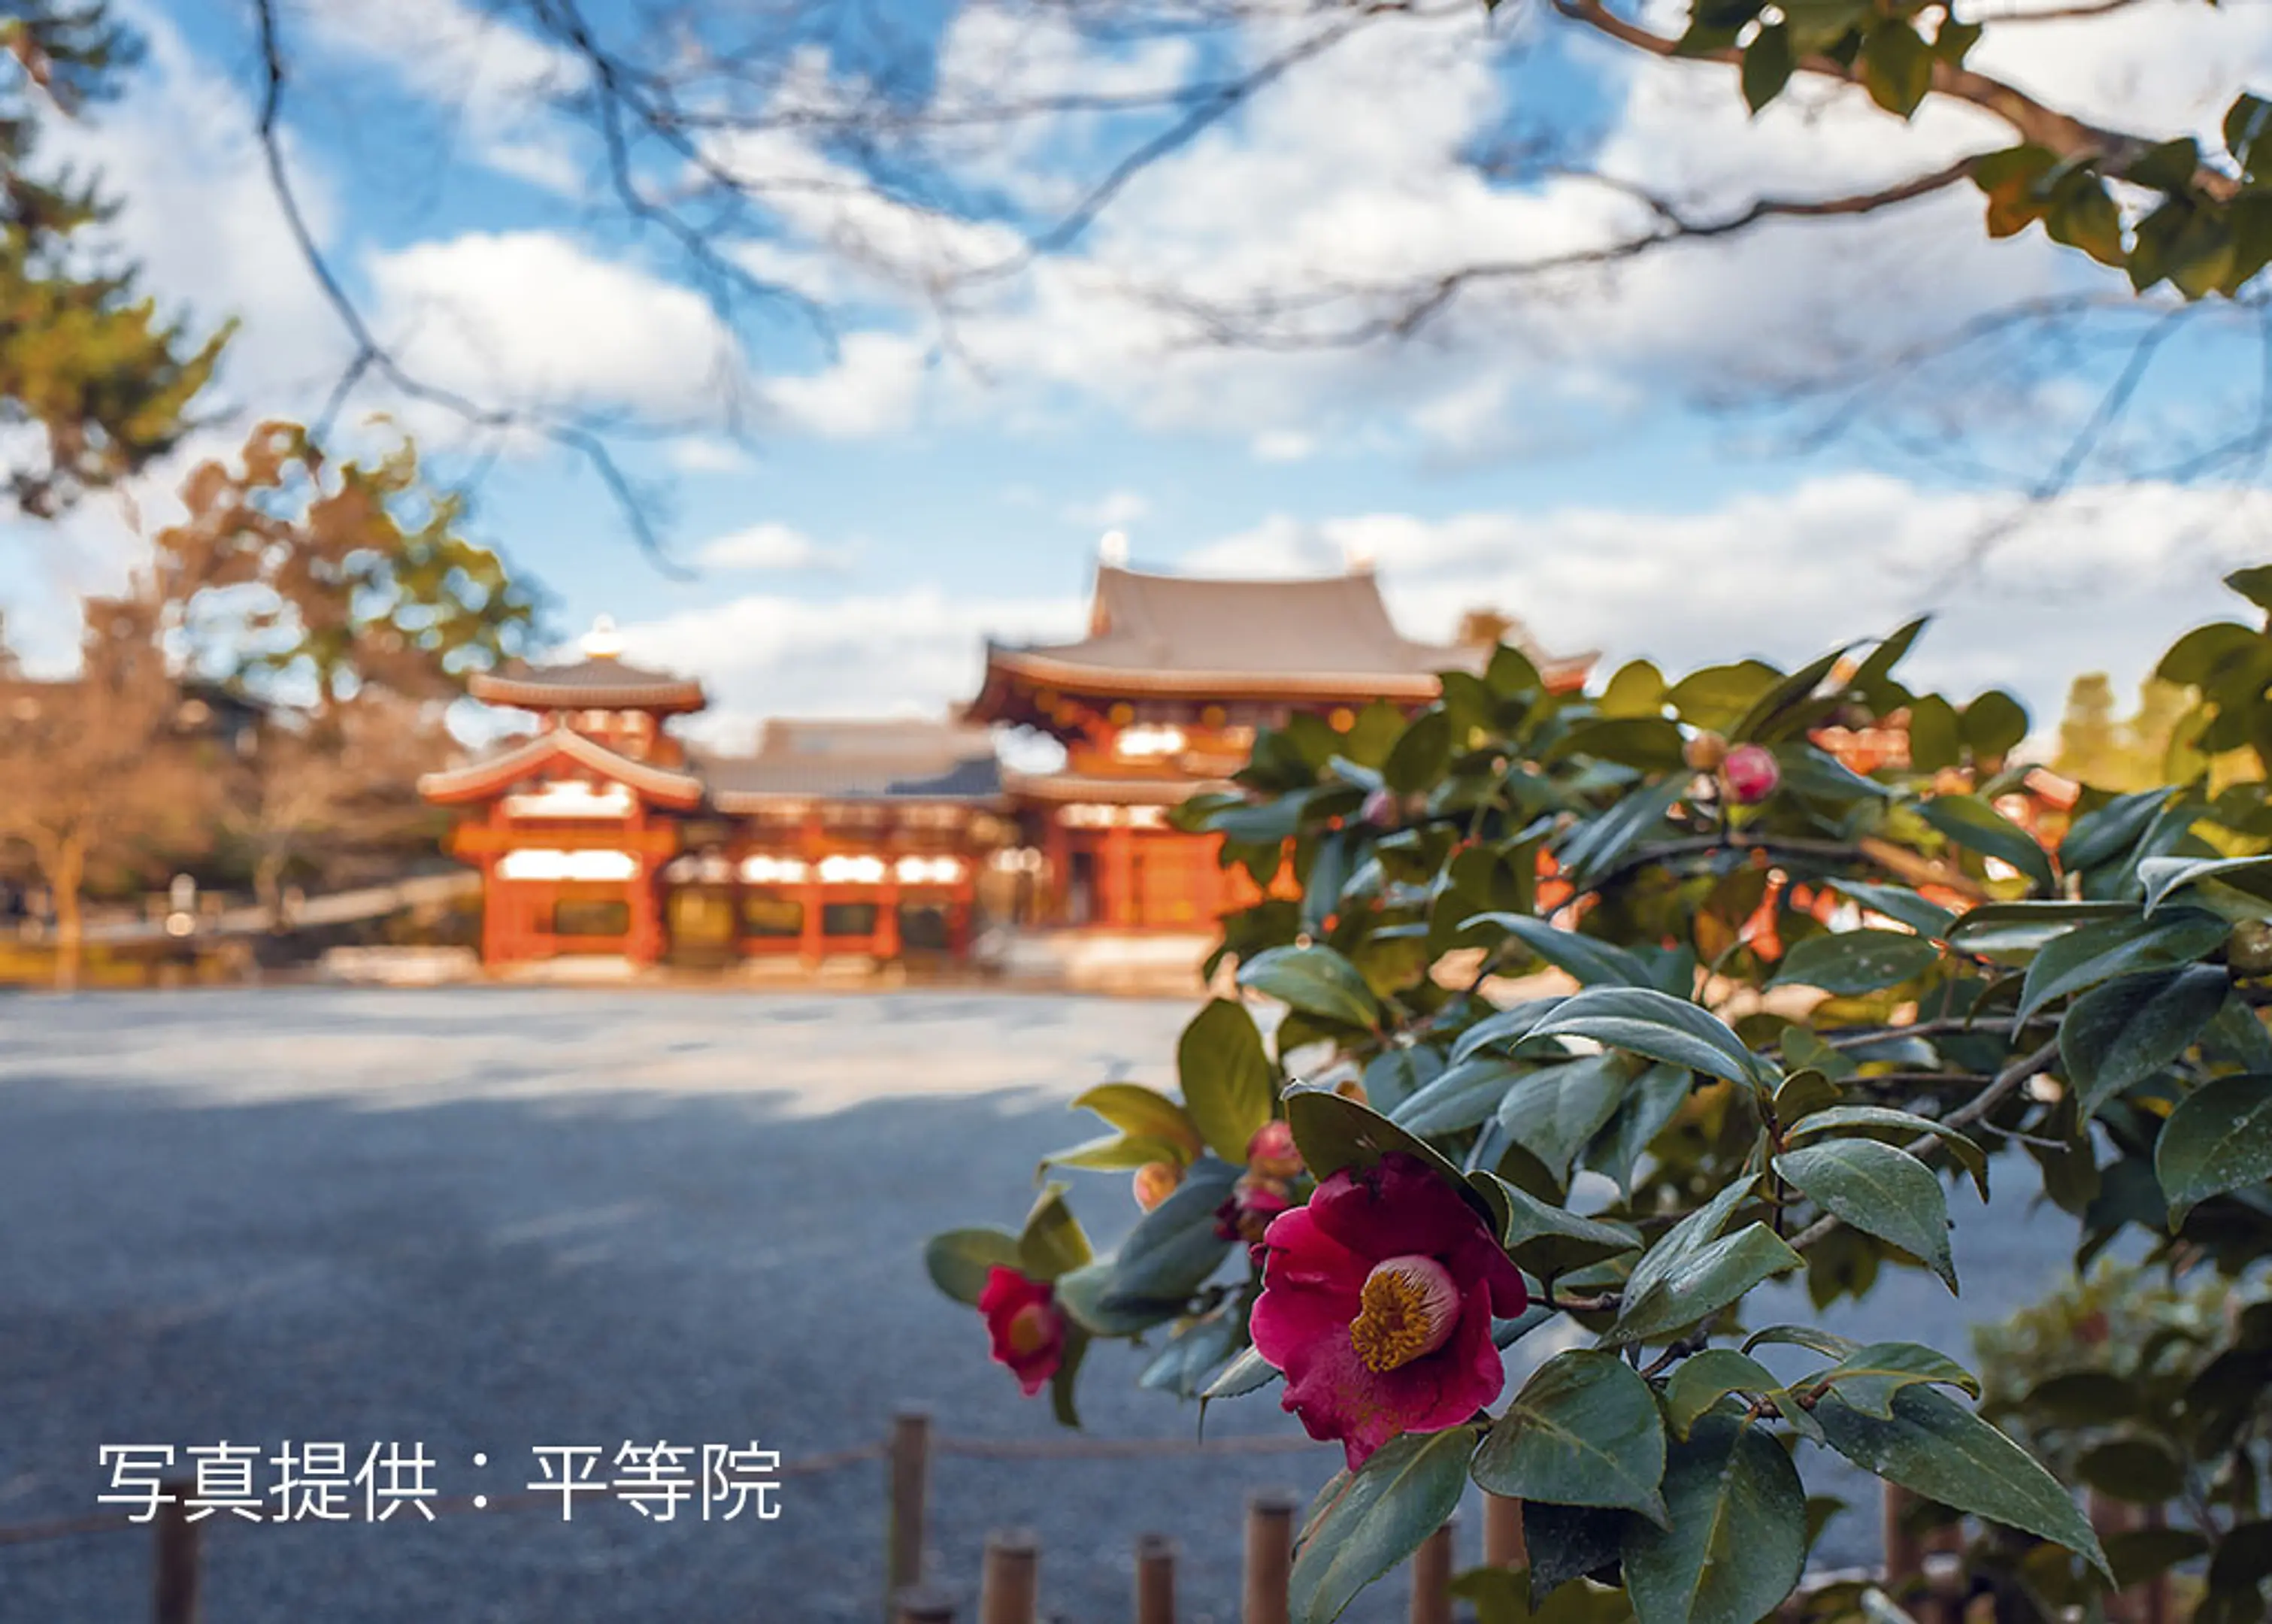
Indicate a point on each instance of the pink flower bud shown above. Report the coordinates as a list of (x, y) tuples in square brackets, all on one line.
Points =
[(1272, 1153), (1751, 774), (1383, 809), (1155, 1181)]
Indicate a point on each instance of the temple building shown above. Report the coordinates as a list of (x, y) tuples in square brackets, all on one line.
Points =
[(604, 833)]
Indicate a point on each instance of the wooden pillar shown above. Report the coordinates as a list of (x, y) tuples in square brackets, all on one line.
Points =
[(1119, 853), (1904, 1551), (1431, 1578), (492, 913), (1057, 851), (176, 1565), (1503, 1546), (1155, 1580), (910, 1488), (885, 941), (1269, 1559), (922, 1604), (1009, 1583), (810, 943)]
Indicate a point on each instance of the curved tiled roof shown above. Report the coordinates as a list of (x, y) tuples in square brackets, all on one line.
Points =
[(601, 681), (858, 760), (492, 776)]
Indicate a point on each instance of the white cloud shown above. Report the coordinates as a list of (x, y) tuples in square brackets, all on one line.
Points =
[(2103, 582), (1284, 446), (871, 388), (534, 318), (769, 546), (1110, 511), (705, 453)]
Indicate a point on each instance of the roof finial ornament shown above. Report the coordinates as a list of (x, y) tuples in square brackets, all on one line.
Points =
[(1112, 549), (1358, 555), (604, 641)]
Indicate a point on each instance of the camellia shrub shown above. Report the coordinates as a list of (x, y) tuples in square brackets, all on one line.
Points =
[(1610, 1008)]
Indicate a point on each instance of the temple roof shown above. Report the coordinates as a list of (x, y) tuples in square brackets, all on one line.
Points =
[(603, 682), (1319, 637), (493, 775), (857, 760)]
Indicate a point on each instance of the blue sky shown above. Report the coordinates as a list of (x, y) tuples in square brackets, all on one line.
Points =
[(1565, 456)]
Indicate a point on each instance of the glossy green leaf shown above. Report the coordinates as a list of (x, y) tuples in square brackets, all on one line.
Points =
[(1934, 1446), (2083, 957), (1396, 1075), (1737, 1538), (1896, 66), (1508, 1026), (1227, 1079), (1899, 902), (1652, 1023), (1973, 823), (2218, 1138), (960, 1260), (1333, 1133), (1385, 1512), (1935, 739), (1882, 1118), (1647, 744), (1116, 1152), (2166, 877), (1846, 963), (1420, 754), (2100, 836), (1317, 981), (1701, 1283), (1584, 1431), (1555, 1109), (1772, 715), (1880, 1191), (1248, 1372), (1701, 1381), (2015, 933), (1813, 1336), (1868, 1378), (1462, 1097), (1804, 1092), (2127, 1029), (1547, 1239), (2142, 1471), (1652, 1101), (1994, 723), (1590, 960), (1062, 1378), (1767, 64), (1174, 1247), (1051, 1241)]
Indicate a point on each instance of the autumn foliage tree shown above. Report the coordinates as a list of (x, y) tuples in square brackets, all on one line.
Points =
[(1603, 1011)]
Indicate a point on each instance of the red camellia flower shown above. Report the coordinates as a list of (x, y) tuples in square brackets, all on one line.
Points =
[(1028, 1328), (1752, 773), (1377, 1302)]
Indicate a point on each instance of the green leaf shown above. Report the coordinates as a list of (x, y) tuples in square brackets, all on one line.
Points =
[(1174, 1247), (1584, 1431), (1554, 1111), (2091, 954), (1802, 1336), (2140, 1553), (2087, 1398), (1227, 1079), (1972, 822), (1463, 1097), (1663, 1027), (1244, 1375), (1402, 1494), (1846, 963), (1394, 1075), (1772, 715), (1994, 724), (1718, 696), (1653, 1100), (1880, 1191), (1868, 1378), (1738, 1537), (1333, 1133), (1507, 1026), (2140, 1470), (960, 1260), (1865, 1118), (1804, 1092), (2014, 933), (1317, 981), (2129, 1028), (1934, 1446), (1067, 1373), (1873, 678), (1703, 1379), (1701, 1284), (1051, 1243), (1636, 689), (1647, 744), (1935, 739), (1896, 66), (1593, 962), (2218, 1138), (2245, 121), (2083, 214), (2164, 878), (2168, 167), (1420, 754), (1116, 1152), (1547, 1239), (1593, 849), (1566, 1543), (1142, 1112), (1767, 62), (1901, 904), (2100, 836)]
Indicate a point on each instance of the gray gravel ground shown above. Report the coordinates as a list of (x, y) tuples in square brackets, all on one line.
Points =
[(490, 1220)]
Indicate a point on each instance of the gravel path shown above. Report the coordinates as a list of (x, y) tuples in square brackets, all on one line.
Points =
[(493, 1220)]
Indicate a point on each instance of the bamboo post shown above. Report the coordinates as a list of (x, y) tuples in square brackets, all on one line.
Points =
[(1904, 1552), (922, 1604), (1432, 1577), (1945, 1589), (1009, 1583), (1503, 1546), (176, 1565), (1155, 1580), (909, 1486), (1269, 1559)]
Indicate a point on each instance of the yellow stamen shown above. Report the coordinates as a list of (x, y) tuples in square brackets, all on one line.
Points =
[(1029, 1330), (1407, 1310)]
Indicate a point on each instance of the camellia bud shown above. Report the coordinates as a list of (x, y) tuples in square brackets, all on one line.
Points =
[(1271, 1153), (2249, 949), (1155, 1181), (1383, 809), (1705, 753), (1751, 774)]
